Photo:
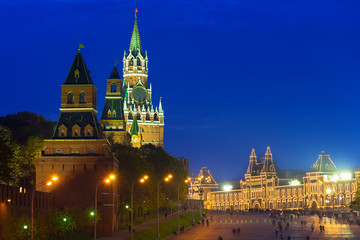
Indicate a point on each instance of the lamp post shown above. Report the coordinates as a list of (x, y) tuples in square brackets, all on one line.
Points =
[(142, 180), (108, 180), (168, 178), (43, 183), (200, 193)]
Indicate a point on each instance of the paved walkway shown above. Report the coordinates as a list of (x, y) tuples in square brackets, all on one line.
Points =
[(123, 234), (259, 227)]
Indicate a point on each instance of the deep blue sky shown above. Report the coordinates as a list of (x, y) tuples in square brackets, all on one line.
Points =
[(233, 74)]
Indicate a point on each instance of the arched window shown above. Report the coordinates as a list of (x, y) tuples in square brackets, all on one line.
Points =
[(130, 116), (156, 117), (138, 117), (113, 87), (109, 113), (70, 98), (114, 113), (82, 97), (147, 117)]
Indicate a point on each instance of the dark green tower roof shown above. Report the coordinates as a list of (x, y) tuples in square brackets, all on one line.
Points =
[(78, 74), (134, 130), (324, 164), (113, 104), (114, 74), (135, 43)]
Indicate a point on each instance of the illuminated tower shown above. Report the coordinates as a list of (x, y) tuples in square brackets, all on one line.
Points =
[(112, 117), (137, 94), (252, 163), (268, 163)]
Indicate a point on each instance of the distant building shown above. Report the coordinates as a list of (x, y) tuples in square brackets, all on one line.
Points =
[(323, 188)]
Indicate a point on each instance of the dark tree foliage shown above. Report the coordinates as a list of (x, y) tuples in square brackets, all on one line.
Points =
[(355, 205), (155, 162), (26, 124)]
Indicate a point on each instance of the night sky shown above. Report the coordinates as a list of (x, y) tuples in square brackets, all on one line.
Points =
[(233, 75)]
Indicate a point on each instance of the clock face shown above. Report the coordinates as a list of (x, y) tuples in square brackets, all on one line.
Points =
[(139, 94)]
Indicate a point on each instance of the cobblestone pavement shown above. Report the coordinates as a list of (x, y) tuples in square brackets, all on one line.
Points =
[(260, 227)]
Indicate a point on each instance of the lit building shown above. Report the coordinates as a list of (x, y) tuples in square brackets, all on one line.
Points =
[(324, 187), (130, 101)]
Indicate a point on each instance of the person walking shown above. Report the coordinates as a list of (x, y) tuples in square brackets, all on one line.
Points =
[(312, 227), (238, 230), (233, 231), (207, 222)]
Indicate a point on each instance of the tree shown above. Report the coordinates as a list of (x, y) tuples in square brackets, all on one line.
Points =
[(355, 205)]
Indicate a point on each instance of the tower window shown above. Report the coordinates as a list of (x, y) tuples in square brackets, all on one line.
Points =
[(88, 132), (114, 113), (113, 87), (76, 133), (138, 116), (70, 98), (156, 117), (130, 116), (109, 113), (63, 133), (147, 117), (82, 97)]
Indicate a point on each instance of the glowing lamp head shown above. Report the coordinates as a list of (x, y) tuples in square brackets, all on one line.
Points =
[(49, 183), (227, 187), (142, 180), (328, 191), (9, 200), (92, 213), (64, 219), (112, 177), (54, 178), (25, 227), (186, 181), (145, 177), (107, 180), (126, 206), (170, 176), (166, 179)]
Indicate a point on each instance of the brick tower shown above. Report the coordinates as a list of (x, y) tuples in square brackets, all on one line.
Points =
[(77, 153)]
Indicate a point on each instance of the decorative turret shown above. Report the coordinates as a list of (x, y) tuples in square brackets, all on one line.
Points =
[(252, 163), (135, 133), (268, 164), (324, 164), (136, 61)]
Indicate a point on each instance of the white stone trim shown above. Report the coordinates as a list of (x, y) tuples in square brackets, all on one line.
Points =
[(115, 97)]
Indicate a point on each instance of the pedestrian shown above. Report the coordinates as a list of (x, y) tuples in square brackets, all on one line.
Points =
[(307, 237), (289, 238), (238, 230), (320, 228), (207, 222), (129, 229), (276, 233), (234, 231), (220, 238), (323, 228), (202, 221), (312, 227)]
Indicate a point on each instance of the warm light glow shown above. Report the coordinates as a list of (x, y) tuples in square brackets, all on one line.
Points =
[(186, 181), (25, 226), (126, 206), (49, 183), (328, 191), (294, 182), (166, 179), (9, 200), (112, 177), (142, 180), (170, 176), (345, 176), (107, 180), (54, 178), (145, 177), (227, 187), (92, 213)]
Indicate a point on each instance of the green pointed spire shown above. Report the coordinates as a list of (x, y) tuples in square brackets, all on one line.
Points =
[(135, 43), (134, 130)]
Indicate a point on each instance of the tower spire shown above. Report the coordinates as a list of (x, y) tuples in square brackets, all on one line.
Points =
[(135, 43)]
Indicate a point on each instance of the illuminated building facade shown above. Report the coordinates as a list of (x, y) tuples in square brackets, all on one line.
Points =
[(323, 188), (129, 100)]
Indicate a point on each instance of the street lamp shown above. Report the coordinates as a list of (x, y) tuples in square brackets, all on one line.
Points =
[(166, 179), (43, 183), (200, 192), (107, 180), (142, 180)]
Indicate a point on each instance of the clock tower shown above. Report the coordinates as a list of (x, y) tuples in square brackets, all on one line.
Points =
[(135, 97)]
